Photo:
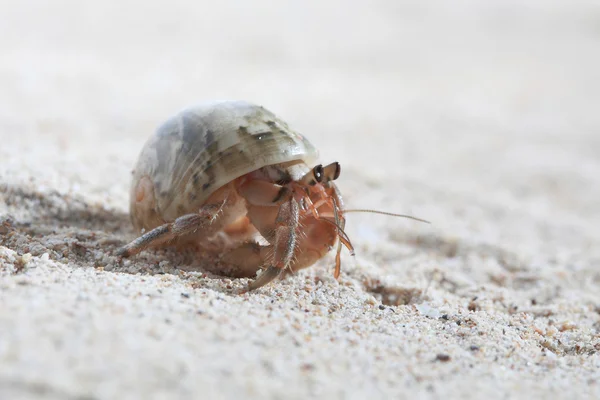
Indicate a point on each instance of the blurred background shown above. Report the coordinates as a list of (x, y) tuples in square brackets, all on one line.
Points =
[(470, 110), (481, 116)]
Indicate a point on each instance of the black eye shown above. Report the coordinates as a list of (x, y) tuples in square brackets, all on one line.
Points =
[(318, 173)]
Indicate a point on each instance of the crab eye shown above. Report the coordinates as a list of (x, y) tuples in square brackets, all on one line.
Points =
[(318, 173)]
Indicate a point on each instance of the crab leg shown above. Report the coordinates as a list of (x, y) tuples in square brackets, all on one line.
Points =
[(284, 244), (208, 219), (341, 223)]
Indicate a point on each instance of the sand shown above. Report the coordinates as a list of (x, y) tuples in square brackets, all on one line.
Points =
[(482, 118)]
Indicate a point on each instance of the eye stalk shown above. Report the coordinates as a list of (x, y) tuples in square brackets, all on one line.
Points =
[(313, 177), (332, 171), (318, 173)]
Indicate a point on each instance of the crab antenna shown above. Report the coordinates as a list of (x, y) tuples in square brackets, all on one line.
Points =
[(356, 210)]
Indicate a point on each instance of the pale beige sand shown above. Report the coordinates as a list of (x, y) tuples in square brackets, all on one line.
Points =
[(482, 118)]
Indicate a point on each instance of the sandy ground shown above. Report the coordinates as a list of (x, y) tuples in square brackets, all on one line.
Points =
[(481, 117)]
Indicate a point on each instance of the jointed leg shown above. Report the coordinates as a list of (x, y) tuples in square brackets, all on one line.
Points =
[(284, 244), (208, 219)]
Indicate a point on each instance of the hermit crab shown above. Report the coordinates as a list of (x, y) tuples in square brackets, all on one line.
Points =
[(232, 177)]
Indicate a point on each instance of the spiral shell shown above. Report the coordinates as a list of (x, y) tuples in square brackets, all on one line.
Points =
[(200, 149)]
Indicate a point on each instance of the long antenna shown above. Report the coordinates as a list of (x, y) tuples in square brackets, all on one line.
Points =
[(362, 210)]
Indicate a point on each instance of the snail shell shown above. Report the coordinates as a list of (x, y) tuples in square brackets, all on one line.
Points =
[(201, 149)]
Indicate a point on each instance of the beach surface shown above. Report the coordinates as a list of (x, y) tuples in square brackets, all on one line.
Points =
[(480, 117)]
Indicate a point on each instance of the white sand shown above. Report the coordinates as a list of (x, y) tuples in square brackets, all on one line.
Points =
[(481, 118)]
